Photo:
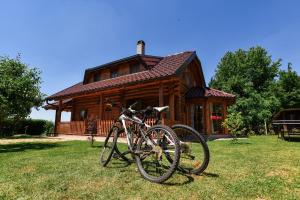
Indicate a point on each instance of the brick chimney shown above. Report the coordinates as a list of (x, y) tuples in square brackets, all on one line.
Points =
[(140, 47)]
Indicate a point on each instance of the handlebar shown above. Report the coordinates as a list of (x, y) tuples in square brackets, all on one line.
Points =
[(145, 113), (129, 109)]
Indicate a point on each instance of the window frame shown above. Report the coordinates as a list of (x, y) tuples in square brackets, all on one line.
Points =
[(114, 73), (134, 69), (98, 77)]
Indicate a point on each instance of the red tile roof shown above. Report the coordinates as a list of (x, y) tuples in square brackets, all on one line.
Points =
[(195, 92), (217, 93), (167, 66)]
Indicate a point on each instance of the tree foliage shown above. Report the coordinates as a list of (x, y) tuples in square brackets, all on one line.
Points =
[(288, 88), (253, 77), (19, 89)]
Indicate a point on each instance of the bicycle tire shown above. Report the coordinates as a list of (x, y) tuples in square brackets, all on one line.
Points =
[(104, 161), (202, 142), (174, 163), (117, 150)]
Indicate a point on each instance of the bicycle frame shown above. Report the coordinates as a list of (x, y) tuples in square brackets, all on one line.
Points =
[(123, 118)]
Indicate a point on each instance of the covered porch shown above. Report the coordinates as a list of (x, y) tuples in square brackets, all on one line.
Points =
[(83, 107), (200, 108)]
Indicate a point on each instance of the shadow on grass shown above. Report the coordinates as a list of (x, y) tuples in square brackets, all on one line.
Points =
[(96, 146), (239, 142), (293, 139), (26, 146), (212, 175), (116, 164), (185, 179), (190, 178), (24, 136)]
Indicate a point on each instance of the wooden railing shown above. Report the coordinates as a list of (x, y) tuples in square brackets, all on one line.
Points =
[(103, 127), (79, 127), (74, 127)]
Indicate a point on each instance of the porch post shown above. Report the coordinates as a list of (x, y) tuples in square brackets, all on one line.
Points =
[(188, 114), (73, 110), (224, 114), (100, 106), (161, 101), (161, 95), (172, 109), (179, 109), (208, 118), (58, 116)]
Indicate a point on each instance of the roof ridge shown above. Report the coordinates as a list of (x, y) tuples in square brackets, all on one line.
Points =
[(122, 59), (178, 53)]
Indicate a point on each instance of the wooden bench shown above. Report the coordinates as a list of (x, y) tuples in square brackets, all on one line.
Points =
[(289, 127)]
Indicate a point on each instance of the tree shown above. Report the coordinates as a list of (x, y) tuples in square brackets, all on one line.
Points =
[(251, 76), (288, 88), (235, 124), (19, 89)]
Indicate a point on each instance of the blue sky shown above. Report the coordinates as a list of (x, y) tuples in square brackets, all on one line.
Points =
[(63, 38)]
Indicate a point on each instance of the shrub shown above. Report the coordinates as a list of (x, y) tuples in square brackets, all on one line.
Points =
[(234, 123), (27, 126), (6, 128)]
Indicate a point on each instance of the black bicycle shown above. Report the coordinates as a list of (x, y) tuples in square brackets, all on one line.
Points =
[(194, 150), (156, 149)]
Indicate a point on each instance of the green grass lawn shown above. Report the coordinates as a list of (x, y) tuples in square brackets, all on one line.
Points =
[(255, 168)]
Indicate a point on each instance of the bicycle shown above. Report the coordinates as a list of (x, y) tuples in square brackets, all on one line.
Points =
[(194, 150), (156, 149)]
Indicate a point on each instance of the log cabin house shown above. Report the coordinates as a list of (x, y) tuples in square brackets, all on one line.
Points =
[(175, 80)]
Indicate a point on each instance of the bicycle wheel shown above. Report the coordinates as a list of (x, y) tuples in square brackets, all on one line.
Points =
[(151, 157), (109, 146), (194, 150)]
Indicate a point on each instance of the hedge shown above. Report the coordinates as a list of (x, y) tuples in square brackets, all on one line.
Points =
[(27, 126)]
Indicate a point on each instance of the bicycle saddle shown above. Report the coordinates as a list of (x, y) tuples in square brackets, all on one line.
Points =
[(161, 109)]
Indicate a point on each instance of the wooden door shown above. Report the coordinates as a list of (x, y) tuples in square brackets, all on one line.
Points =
[(197, 115)]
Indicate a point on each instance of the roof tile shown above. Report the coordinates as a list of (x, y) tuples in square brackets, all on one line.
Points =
[(196, 92)]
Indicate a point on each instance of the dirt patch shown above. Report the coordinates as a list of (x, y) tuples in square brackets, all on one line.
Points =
[(262, 198), (284, 173), (13, 141), (59, 138)]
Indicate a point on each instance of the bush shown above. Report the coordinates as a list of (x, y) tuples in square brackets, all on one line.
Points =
[(6, 128), (235, 125), (27, 126)]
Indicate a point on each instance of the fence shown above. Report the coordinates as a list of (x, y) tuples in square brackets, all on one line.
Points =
[(79, 127)]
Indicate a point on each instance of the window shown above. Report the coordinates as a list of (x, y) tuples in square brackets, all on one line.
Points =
[(134, 69), (83, 114), (96, 77), (217, 118), (114, 74)]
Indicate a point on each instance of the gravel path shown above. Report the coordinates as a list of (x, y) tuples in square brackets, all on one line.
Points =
[(59, 138)]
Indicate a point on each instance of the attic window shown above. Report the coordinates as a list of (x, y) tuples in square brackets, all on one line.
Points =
[(134, 69), (114, 74), (96, 77)]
